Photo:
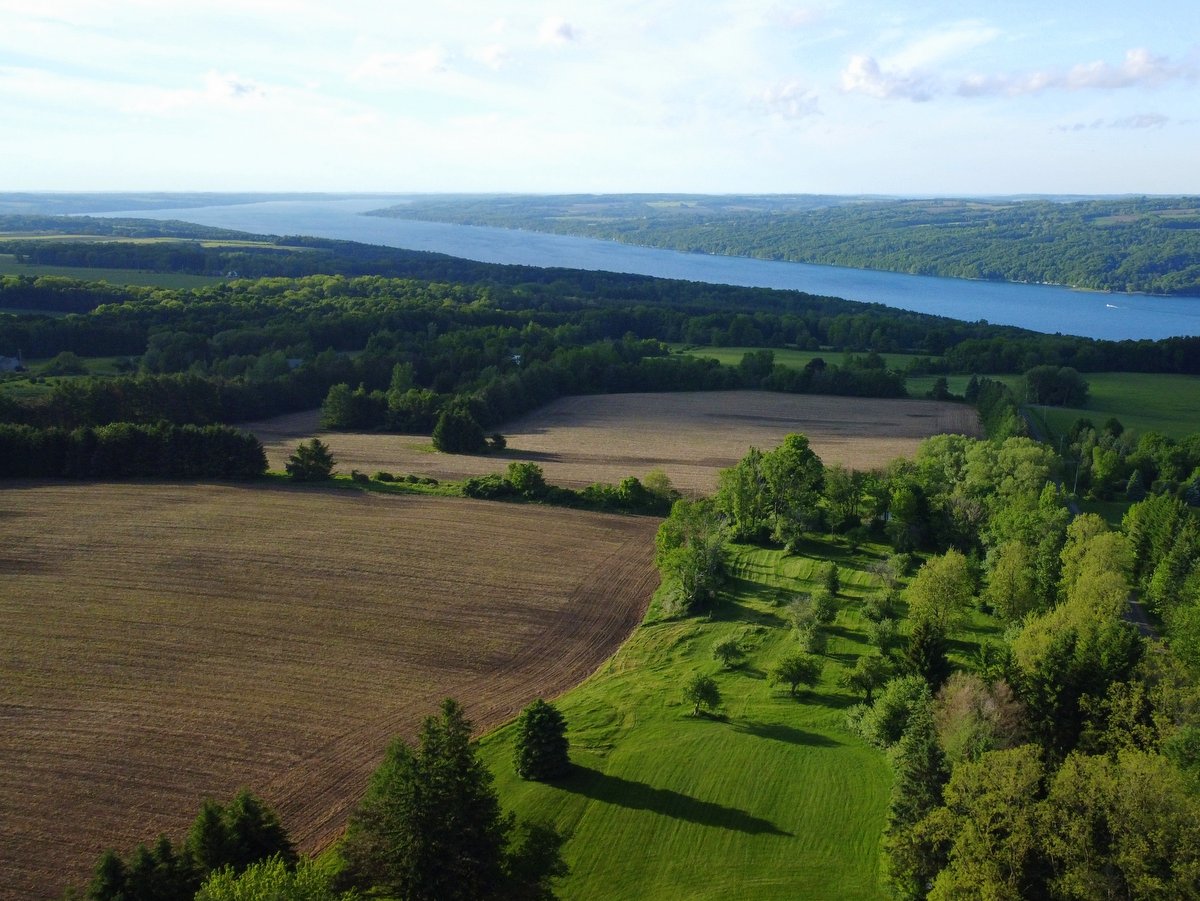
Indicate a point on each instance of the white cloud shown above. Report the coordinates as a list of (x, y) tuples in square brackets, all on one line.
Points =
[(401, 67), (863, 75), (1135, 122), (799, 16), (1142, 120), (1140, 69), (556, 30), (791, 100), (494, 56)]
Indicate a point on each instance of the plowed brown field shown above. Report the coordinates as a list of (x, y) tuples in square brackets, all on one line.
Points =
[(606, 437), (166, 643)]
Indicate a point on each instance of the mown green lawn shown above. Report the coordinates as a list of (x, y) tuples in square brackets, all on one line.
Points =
[(1144, 401), (773, 799)]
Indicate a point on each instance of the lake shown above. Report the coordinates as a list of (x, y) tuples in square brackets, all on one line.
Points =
[(1043, 308)]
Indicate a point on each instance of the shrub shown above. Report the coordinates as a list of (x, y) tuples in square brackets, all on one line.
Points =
[(526, 478), (487, 487)]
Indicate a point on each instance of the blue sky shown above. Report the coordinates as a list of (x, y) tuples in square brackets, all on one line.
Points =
[(655, 95)]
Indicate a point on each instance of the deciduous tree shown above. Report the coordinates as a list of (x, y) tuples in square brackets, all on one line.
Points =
[(870, 671), (795, 670), (941, 592), (702, 692)]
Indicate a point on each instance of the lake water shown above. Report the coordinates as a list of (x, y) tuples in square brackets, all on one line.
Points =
[(1042, 308)]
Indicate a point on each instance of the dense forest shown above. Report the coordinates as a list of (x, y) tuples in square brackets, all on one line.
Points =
[(1141, 244)]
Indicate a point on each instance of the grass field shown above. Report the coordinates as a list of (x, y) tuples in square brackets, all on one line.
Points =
[(777, 799), (9, 266), (786, 356), (1147, 402), (164, 643), (918, 385), (691, 436), (921, 385)]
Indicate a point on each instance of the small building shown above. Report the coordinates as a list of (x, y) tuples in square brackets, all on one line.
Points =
[(11, 364)]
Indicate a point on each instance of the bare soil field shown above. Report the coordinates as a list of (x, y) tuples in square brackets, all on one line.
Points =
[(606, 437), (166, 643)]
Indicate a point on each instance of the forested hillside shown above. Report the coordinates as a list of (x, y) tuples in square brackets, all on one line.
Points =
[(1142, 244)]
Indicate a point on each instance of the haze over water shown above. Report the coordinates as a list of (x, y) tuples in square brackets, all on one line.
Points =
[(1043, 308)]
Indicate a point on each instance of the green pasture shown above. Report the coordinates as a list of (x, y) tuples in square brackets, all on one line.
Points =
[(773, 798), (785, 356), (921, 385), (1145, 402), (918, 385), (9, 266)]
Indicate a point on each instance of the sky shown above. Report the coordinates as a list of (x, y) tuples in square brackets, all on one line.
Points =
[(703, 96)]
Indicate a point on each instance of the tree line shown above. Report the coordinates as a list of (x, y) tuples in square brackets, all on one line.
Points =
[(127, 450)]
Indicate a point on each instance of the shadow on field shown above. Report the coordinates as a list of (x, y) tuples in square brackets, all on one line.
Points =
[(729, 609), (789, 734), (847, 633), (516, 453), (13, 566), (640, 796)]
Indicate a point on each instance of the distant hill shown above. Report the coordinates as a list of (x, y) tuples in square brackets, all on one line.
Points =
[(1125, 244)]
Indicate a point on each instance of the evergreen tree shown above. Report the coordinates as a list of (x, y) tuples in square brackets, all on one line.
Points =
[(921, 772), (312, 462), (430, 827), (831, 579), (541, 745), (255, 833), (108, 881), (926, 654), (457, 432), (208, 841)]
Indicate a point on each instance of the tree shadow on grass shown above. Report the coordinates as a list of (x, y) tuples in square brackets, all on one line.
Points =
[(640, 796), (788, 734), (730, 609), (846, 633), (845, 658)]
